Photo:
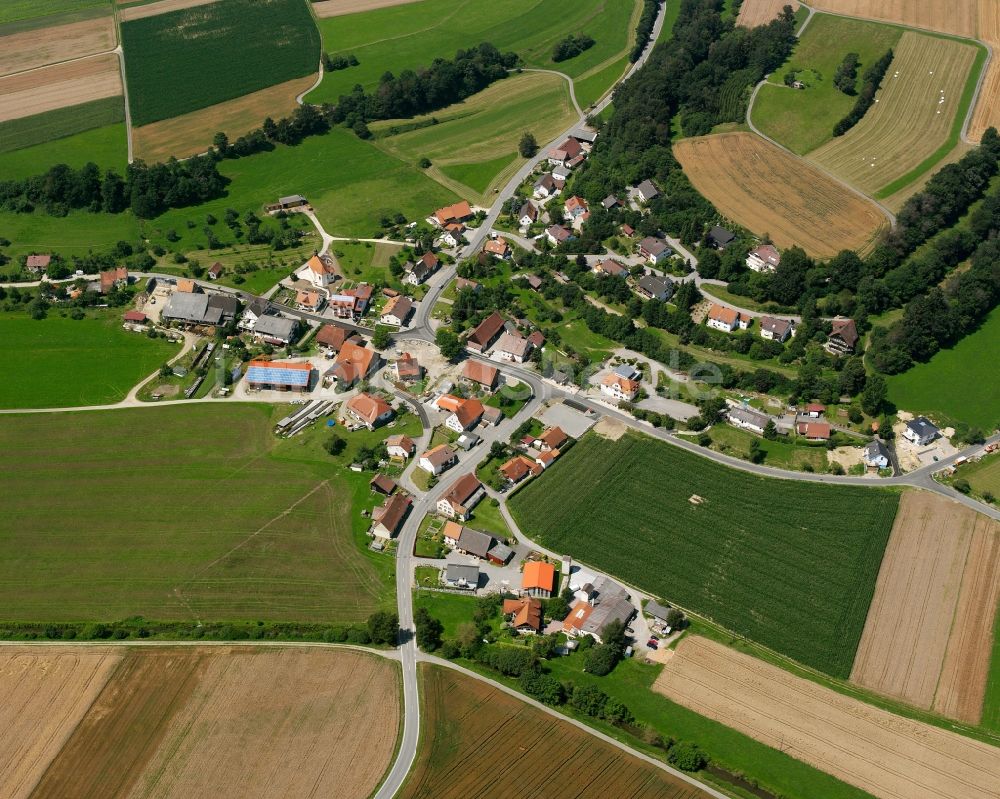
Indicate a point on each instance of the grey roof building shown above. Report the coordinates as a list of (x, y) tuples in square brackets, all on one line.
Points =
[(920, 431), (720, 238), (656, 610), (876, 454), (615, 608), (461, 575), (748, 418), (656, 288), (474, 542), (500, 553), (228, 305), (647, 190), (275, 327), (191, 309)]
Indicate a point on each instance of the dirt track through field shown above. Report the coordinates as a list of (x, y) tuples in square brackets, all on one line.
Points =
[(886, 755), (59, 86), (760, 12), (337, 8), (155, 9), (36, 48), (43, 696), (768, 190)]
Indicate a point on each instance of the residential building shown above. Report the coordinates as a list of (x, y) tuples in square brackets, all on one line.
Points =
[(647, 191), (576, 207), (528, 214), (876, 455), (408, 369), (657, 611), (257, 308), (310, 300), (361, 359), (611, 267), (551, 438), (275, 329), (486, 333), (333, 337), (400, 446), (764, 258), (460, 575), (748, 419), (464, 414), (451, 532), (397, 311), (619, 388), (654, 250), (481, 373), (536, 339), (370, 410), (464, 284), (113, 279), (388, 519), (215, 271), (228, 305), (37, 263), (843, 336), (720, 238), (813, 431), (453, 235), (587, 619), (525, 614), (498, 248), (320, 271), (610, 203), (512, 348), (562, 154), (546, 459), (450, 214), (438, 459), (920, 431), (726, 319), (557, 234), (418, 271), (519, 467), (627, 230), (655, 288), (775, 329), (628, 371), (538, 579), (814, 410), (278, 376), (547, 186), (463, 495)]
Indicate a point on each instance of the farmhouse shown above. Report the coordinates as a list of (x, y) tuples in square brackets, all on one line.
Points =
[(843, 336), (547, 186), (619, 388), (438, 459), (512, 348), (320, 271), (486, 333), (647, 191), (720, 238), (610, 267), (920, 431), (461, 498), (472, 542), (528, 214), (228, 305), (388, 518), (368, 409), (748, 419), (113, 279), (764, 258), (187, 286), (397, 311), (279, 375), (215, 271), (813, 431), (775, 329), (333, 337), (191, 309), (519, 467), (257, 308), (451, 214), (654, 250), (655, 288), (481, 374), (418, 271), (275, 329), (309, 301), (37, 263), (525, 614), (587, 619), (539, 579), (557, 234), (562, 154), (408, 369), (726, 319), (875, 455), (498, 248), (400, 446), (460, 575)]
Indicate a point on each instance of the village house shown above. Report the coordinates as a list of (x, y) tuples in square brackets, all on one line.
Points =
[(843, 337), (464, 414), (407, 369), (278, 376), (610, 267), (37, 263), (310, 300), (654, 250), (453, 235), (587, 619), (552, 438), (875, 455), (557, 234), (351, 303), (461, 575), (400, 446), (256, 308), (538, 579), (416, 272), (774, 329), (451, 214), (727, 319), (610, 203), (332, 337), (620, 388), (764, 258), (320, 271), (464, 284), (525, 614), (512, 348), (920, 431), (498, 248), (474, 543), (519, 467), (627, 230), (463, 495), (438, 459), (655, 288), (397, 311), (481, 374), (383, 484), (353, 363), (388, 519), (228, 306), (813, 431), (275, 330), (528, 214), (547, 186), (720, 238), (547, 458), (576, 207), (748, 419), (647, 191), (565, 153), (536, 339), (113, 279), (486, 333), (814, 410), (369, 410), (215, 271)]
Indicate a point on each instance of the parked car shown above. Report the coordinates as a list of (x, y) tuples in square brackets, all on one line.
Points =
[(652, 643)]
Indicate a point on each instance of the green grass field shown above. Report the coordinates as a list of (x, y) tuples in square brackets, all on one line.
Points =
[(780, 453), (412, 35), (57, 137), (17, 10), (193, 58), (107, 147), (177, 513), (62, 362), (450, 609), (991, 702), (983, 476), (803, 120), (788, 564), (74, 234), (956, 385)]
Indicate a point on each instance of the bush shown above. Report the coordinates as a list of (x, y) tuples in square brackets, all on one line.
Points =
[(571, 47), (961, 484), (687, 757)]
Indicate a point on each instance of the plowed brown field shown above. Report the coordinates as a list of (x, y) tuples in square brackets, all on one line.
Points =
[(768, 190), (913, 628), (889, 756), (336, 8), (36, 48), (192, 133), (59, 86), (44, 693), (760, 12), (477, 741)]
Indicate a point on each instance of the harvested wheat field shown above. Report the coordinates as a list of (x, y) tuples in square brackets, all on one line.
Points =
[(768, 190), (476, 740), (20, 52), (912, 621), (888, 756), (760, 12), (132, 12), (192, 133), (912, 116), (958, 17), (337, 8), (44, 693), (987, 111), (59, 86), (224, 721)]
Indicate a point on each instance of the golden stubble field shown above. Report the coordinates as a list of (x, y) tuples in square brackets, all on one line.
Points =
[(760, 12), (768, 190), (888, 756), (20, 52), (106, 722), (58, 86)]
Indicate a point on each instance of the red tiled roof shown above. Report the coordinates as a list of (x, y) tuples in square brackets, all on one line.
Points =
[(368, 407), (538, 575)]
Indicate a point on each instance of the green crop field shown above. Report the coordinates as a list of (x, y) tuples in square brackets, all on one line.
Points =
[(107, 147), (193, 58), (803, 120), (956, 385), (62, 362), (17, 10), (789, 564), (176, 513), (412, 35)]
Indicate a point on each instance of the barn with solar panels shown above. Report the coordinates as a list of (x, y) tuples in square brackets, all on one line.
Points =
[(279, 376)]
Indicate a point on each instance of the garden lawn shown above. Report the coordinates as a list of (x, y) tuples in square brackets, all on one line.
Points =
[(450, 609), (789, 564), (60, 362), (179, 513), (184, 60), (780, 452), (802, 120), (957, 385)]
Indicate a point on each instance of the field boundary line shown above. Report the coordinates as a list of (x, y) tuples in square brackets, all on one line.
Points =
[(388, 654)]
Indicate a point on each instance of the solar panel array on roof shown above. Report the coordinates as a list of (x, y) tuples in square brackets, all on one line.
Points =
[(277, 375)]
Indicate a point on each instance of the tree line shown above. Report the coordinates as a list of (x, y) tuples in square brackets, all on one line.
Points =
[(872, 79), (644, 28), (571, 46)]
